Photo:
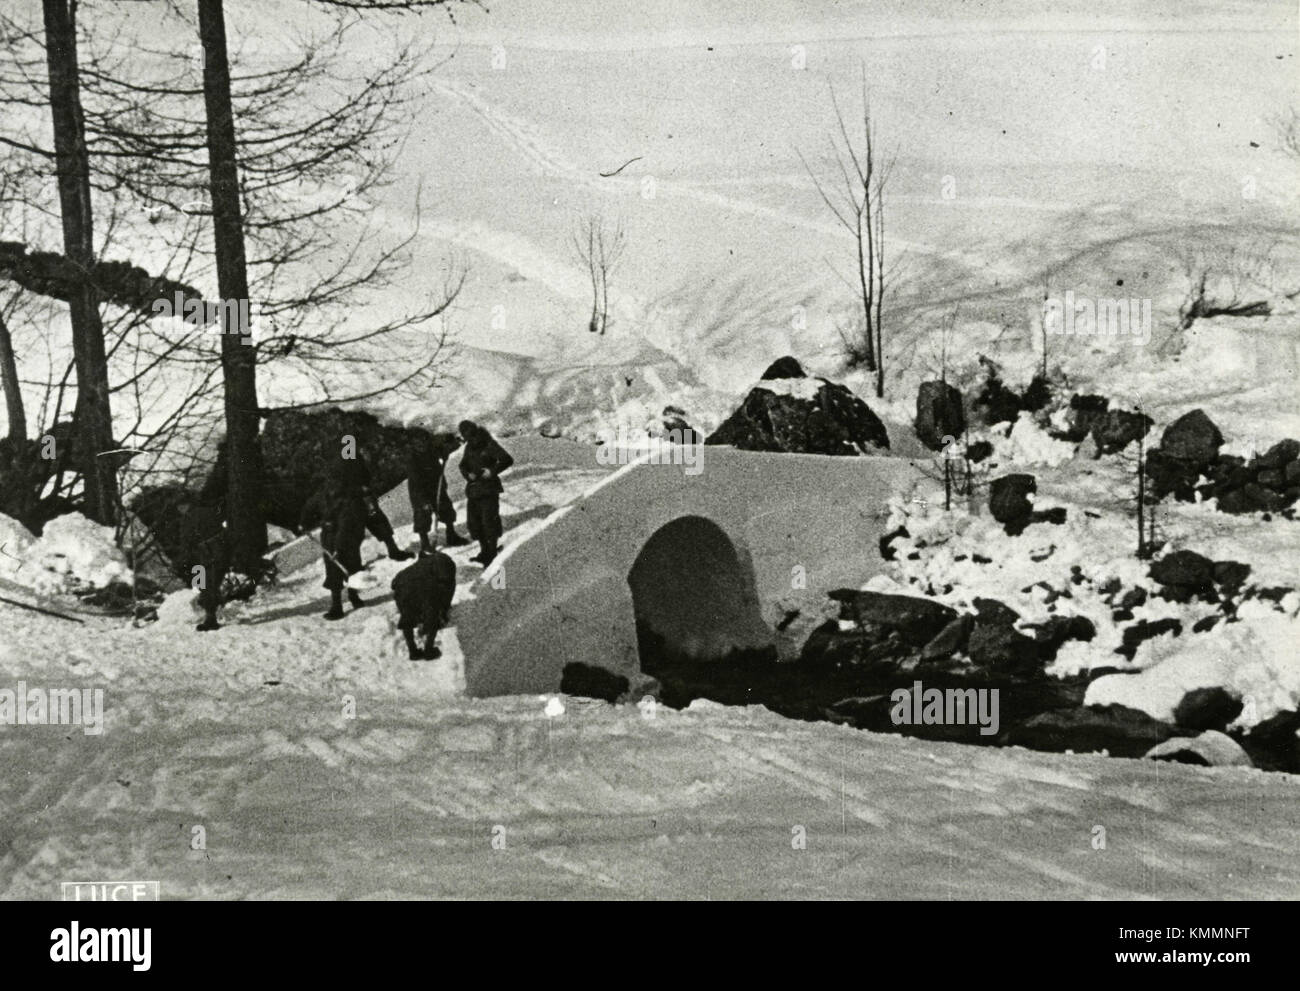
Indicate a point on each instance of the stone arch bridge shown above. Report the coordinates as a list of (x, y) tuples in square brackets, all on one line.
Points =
[(711, 561)]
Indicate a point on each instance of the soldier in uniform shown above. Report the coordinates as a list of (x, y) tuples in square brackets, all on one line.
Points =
[(426, 484), (340, 506), (482, 464), (204, 537)]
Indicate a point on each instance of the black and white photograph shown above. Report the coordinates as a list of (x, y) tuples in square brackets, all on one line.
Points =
[(691, 450)]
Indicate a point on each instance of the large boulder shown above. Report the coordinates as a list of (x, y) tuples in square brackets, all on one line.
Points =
[(1274, 744), (1117, 729), (1207, 708), (939, 414), (1193, 438), (799, 415), (1003, 649), (915, 619), (1252, 498), (1277, 457), (950, 640), (1210, 749), (1184, 575), (1167, 475), (1009, 501), (1084, 412), (588, 681), (1118, 428), (784, 368)]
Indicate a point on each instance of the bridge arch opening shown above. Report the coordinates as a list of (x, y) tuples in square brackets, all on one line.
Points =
[(694, 598)]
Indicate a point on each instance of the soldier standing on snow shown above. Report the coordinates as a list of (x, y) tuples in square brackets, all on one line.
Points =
[(482, 464), (204, 535), (341, 505), (426, 484)]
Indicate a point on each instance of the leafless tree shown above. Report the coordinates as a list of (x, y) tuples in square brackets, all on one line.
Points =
[(854, 192), (1287, 127), (316, 130), (598, 248), (1232, 279)]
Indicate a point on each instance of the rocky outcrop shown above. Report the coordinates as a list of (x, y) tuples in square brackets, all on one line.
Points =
[(1267, 484), (914, 618), (1009, 504), (939, 414), (1209, 749), (1111, 430), (1184, 575), (1206, 709), (794, 414), (592, 682), (1116, 729), (1193, 438)]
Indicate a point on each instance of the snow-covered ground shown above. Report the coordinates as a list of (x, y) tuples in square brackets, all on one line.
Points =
[(319, 762), (1103, 150)]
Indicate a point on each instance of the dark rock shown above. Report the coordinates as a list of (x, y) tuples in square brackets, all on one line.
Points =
[(1274, 593), (869, 712), (1144, 630), (1231, 575), (995, 402), (1277, 457), (1118, 428), (1133, 598), (1206, 708), (1273, 743), (1251, 498), (1206, 623), (1273, 478), (1168, 475), (1002, 649), (914, 618), (952, 639), (677, 429), (1193, 438), (1292, 471), (886, 550), (1184, 570), (784, 368), (834, 421), (1037, 395), (1084, 413), (979, 451), (1009, 502), (1057, 630), (939, 414), (829, 646), (1210, 749), (994, 612), (1055, 516), (1121, 731), (592, 682)]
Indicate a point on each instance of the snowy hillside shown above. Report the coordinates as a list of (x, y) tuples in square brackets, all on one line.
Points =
[(1101, 149)]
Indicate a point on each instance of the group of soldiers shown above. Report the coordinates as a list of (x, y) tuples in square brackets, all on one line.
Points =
[(345, 507)]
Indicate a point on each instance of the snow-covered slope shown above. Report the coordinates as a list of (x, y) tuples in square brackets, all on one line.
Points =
[(321, 763)]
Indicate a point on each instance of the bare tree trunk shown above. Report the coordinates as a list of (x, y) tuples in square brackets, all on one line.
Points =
[(1143, 550), (238, 357), (14, 410), (93, 414)]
